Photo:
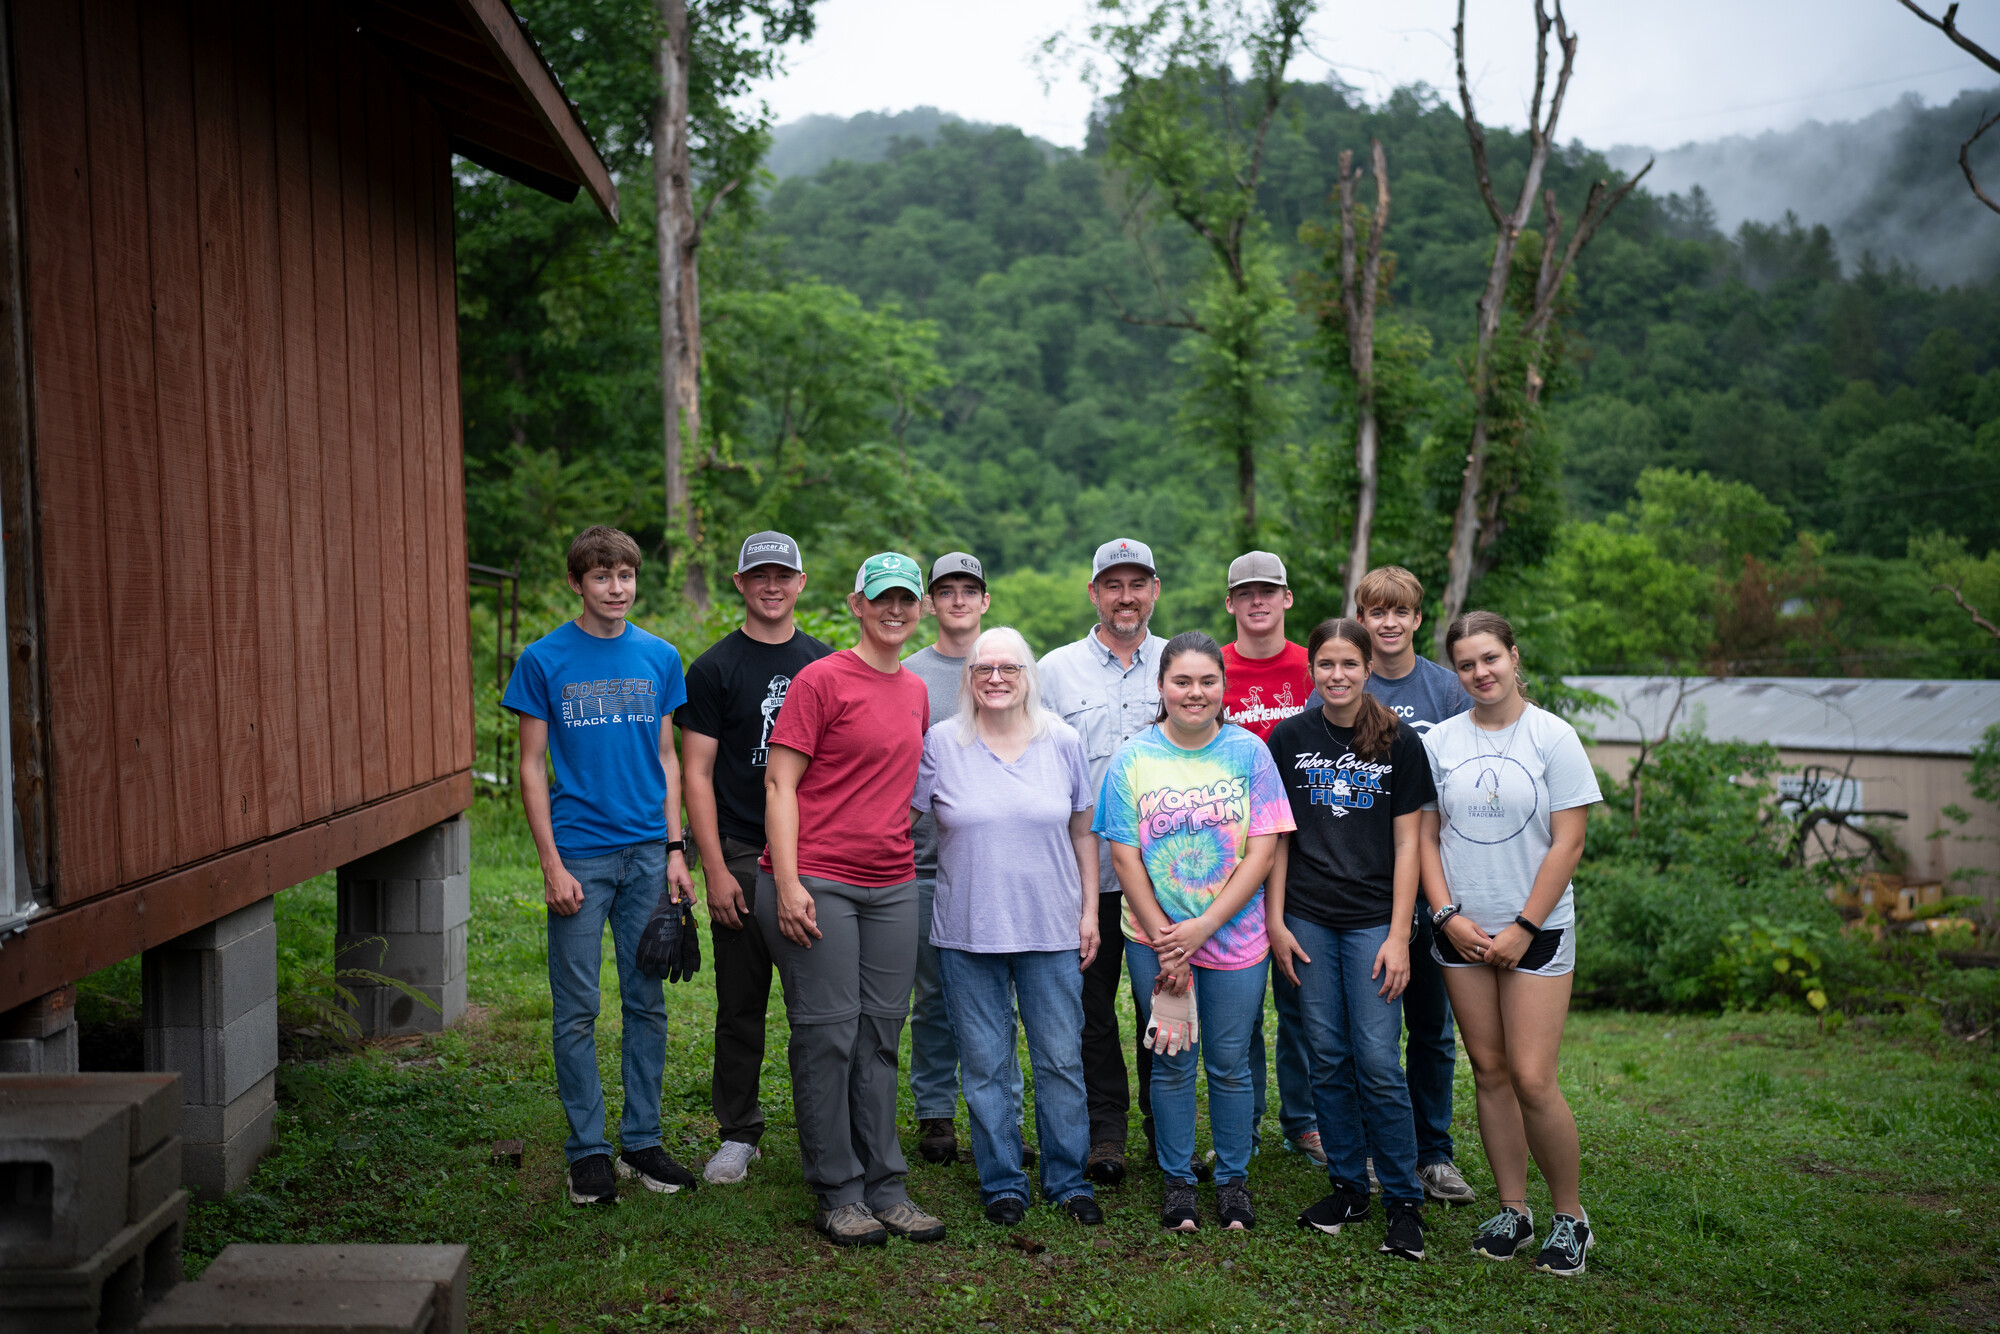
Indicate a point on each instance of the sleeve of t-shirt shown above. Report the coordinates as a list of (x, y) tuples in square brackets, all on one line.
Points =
[(673, 685), (804, 715), (1081, 798), (1415, 789), (528, 687), (927, 770), (1117, 816), (1567, 771), (1270, 806), (703, 710)]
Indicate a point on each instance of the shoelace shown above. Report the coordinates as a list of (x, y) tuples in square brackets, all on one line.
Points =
[(1500, 1225), (1562, 1236)]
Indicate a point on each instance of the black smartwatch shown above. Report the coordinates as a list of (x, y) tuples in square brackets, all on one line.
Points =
[(1443, 915), (1527, 925), (677, 845)]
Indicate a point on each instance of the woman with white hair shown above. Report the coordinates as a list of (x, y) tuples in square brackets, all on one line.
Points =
[(1015, 916)]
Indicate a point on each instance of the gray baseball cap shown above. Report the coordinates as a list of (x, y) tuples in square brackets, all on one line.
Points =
[(1257, 567), (768, 549), (958, 562), (1123, 551)]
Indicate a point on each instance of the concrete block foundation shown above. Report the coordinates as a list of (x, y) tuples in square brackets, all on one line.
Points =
[(110, 1289), (444, 1267), (39, 1038), (403, 913)]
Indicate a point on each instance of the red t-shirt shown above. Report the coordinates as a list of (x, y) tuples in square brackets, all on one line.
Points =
[(1263, 692), (864, 731)]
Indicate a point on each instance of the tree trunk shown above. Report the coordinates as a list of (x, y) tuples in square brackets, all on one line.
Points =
[(1358, 301), (680, 292)]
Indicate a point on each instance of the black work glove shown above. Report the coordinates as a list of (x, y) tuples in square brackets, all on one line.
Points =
[(660, 945), (687, 957)]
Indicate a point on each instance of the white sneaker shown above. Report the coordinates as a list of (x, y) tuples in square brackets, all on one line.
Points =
[(1443, 1182), (731, 1163)]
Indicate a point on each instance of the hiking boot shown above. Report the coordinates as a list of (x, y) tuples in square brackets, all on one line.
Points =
[(591, 1180), (1443, 1182), (1106, 1164), (1568, 1244), (1007, 1211), (1233, 1208), (938, 1142), (1177, 1210), (1502, 1236), (905, 1220), (851, 1225), (1405, 1237), (655, 1170), (731, 1163), (1309, 1145), (1333, 1212), (1084, 1209)]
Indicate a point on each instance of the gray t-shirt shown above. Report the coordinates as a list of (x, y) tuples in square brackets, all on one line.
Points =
[(1427, 696), (1496, 791), (1007, 881), (941, 676)]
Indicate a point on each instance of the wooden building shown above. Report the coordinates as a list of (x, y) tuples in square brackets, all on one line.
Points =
[(230, 446)]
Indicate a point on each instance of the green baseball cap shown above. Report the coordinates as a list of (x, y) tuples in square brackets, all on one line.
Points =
[(880, 573)]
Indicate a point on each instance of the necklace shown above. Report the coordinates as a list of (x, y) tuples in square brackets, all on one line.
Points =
[(1513, 730)]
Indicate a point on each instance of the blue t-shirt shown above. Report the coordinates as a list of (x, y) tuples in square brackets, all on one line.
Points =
[(1425, 697), (603, 700)]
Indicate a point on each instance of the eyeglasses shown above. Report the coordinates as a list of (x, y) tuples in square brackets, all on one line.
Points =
[(1005, 670)]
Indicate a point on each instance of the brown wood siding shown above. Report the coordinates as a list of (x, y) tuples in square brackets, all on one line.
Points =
[(242, 309)]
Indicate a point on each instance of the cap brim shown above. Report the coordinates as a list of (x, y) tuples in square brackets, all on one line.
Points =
[(882, 583)]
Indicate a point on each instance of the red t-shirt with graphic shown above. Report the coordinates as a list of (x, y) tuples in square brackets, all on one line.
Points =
[(1260, 693), (864, 732)]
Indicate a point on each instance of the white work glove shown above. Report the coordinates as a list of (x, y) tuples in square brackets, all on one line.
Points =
[(1176, 1023)]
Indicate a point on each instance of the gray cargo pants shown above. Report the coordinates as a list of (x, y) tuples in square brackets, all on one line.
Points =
[(846, 999)]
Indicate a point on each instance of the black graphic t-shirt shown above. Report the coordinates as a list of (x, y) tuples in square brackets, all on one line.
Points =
[(734, 692), (1341, 868)]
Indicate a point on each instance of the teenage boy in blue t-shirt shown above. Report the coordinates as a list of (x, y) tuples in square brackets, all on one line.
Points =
[(594, 695)]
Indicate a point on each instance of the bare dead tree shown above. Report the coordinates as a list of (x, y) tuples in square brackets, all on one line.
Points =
[(1476, 522), (677, 235), (1647, 744), (1966, 607), (1357, 302), (1948, 25)]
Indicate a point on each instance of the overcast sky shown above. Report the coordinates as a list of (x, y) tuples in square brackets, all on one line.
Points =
[(1647, 73)]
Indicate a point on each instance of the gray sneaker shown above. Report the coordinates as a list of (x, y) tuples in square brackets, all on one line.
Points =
[(905, 1220), (731, 1163), (851, 1225), (1443, 1182)]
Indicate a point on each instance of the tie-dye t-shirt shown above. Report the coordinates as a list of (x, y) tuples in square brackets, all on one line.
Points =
[(1192, 814)]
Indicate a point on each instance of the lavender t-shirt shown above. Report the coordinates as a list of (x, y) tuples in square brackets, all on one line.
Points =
[(1007, 881)]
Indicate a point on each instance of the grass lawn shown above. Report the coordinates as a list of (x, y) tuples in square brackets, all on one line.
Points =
[(1743, 1172)]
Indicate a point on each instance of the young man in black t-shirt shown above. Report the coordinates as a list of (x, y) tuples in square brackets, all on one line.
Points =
[(734, 692)]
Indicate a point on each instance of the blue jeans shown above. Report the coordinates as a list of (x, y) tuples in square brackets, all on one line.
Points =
[(1295, 1092), (934, 1061), (1432, 1050), (619, 887), (980, 992), (1358, 1085), (1228, 1001)]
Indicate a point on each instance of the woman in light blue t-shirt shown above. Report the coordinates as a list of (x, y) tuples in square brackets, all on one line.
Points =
[(1014, 919)]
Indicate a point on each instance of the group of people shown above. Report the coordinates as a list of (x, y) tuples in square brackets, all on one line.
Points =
[(971, 834)]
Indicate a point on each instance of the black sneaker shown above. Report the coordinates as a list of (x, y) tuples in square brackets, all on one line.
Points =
[(1177, 1207), (1202, 1169), (1502, 1236), (655, 1170), (1084, 1209), (1007, 1211), (1028, 1155), (591, 1181), (938, 1142), (1106, 1165), (1567, 1246), (1233, 1207), (1335, 1211), (1405, 1236)]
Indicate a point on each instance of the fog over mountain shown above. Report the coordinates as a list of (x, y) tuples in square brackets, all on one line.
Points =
[(801, 147)]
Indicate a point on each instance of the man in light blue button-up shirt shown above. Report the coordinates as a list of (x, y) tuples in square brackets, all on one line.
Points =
[(1106, 686)]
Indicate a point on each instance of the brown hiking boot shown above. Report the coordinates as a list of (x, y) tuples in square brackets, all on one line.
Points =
[(938, 1141), (1106, 1163)]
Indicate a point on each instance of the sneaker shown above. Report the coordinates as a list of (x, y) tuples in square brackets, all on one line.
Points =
[(1502, 1236), (1405, 1237), (1106, 1164), (1374, 1182), (851, 1225), (731, 1163), (1028, 1155), (1084, 1209), (655, 1170), (1007, 1211), (1177, 1207), (1443, 1182), (1334, 1211), (1568, 1244), (1309, 1145), (1233, 1207), (1203, 1169), (905, 1220), (591, 1181), (938, 1142)]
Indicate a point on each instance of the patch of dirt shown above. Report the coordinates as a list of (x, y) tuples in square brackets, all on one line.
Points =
[(1974, 1305)]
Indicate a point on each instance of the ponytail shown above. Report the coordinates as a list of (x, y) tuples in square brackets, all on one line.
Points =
[(1375, 726)]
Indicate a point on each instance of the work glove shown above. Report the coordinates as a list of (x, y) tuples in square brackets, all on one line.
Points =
[(660, 945), (687, 958), (1176, 1023)]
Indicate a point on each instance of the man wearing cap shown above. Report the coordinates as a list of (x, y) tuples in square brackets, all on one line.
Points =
[(1265, 682), (1106, 686), (837, 900), (734, 693)]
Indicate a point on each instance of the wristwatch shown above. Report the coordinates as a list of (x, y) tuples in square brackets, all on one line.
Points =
[(677, 845), (1443, 915)]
